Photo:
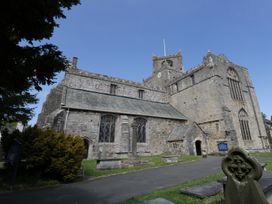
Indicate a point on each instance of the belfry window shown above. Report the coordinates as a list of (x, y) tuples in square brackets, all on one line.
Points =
[(244, 125), (234, 85), (107, 128), (140, 129)]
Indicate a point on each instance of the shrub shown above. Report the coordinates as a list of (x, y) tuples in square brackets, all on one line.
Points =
[(49, 153)]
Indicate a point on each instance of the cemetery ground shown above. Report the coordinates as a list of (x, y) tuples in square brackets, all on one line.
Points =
[(89, 166), (88, 169), (132, 187), (173, 193)]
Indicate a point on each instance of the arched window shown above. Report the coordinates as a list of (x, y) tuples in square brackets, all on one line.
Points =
[(234, 85), (244, 126), (107, 128), (140, 129)]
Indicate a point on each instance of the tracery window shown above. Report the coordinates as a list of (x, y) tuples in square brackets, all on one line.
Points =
[(244, 125), (107, 128), (234, 85), (140, 129)]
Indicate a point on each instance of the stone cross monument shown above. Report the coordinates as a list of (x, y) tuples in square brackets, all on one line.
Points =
[(243, 173)]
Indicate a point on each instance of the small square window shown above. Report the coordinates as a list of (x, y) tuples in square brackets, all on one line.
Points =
[(193, 79), (113, 88), (141, 94)]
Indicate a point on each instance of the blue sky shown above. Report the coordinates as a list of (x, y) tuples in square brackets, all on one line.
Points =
[(119, 37)]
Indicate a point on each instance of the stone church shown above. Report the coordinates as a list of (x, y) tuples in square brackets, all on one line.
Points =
[(209, 108)]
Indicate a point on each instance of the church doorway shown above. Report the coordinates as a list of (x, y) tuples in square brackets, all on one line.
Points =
[(86, 146), (198, 147)]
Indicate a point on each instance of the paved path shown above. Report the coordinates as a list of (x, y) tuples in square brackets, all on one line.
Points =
[(114, 189)]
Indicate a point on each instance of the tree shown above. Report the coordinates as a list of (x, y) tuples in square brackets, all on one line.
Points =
[(26, 61)]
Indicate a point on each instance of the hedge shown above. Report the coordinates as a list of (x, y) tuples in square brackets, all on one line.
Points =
[(48, 153)]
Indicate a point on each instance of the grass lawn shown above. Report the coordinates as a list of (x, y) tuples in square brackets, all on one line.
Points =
[(264, 154), (261, 154), (173, 193), (89, 166)]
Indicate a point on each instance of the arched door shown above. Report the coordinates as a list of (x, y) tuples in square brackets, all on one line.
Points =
[(86, 145), (198, 147)]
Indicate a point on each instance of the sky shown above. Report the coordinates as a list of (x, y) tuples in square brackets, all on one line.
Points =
[(119, 37)]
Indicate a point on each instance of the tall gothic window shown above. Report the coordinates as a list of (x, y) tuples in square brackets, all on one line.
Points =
[(107, 128), (234, 85), (140, 129), (244, 126)]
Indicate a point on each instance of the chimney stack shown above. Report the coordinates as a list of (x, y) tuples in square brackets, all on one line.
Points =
[(74, 62)]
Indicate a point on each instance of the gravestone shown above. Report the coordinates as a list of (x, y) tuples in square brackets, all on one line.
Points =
[(108, 164), (243, 173), (156, 201), (170, 158), (204, 190), (134, 141)]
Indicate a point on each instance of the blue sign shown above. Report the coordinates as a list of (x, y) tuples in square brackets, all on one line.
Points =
[(222, 147)]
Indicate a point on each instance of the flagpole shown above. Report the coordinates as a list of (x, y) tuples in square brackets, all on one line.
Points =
[(164, 47)]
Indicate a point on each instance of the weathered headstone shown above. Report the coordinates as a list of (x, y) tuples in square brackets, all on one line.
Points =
[(170, 158), (243, 173), (204, 190), (108, 164), (156, 201), (134, 140)]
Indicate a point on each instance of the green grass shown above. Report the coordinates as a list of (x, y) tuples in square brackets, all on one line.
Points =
[(261, 154), (173, 193), (89, 166), (264, 154)]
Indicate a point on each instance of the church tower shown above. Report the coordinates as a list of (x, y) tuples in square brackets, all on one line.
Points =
[(165, 70)]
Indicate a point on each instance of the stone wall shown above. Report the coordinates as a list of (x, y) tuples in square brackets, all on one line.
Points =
[(87, 125), (98, 83), (203, 95), (51, 104)]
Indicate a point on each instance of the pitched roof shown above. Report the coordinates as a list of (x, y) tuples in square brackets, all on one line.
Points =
[(87, 100), (179, 132)]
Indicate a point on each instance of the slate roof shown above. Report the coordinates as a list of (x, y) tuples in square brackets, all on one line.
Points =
[(180, 132), (87, 100)]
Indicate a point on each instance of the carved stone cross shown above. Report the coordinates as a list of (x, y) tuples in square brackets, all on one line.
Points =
[(243, 173)]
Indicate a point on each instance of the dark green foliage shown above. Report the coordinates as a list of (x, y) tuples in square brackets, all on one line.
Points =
[(49, 153), (25, 61)]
